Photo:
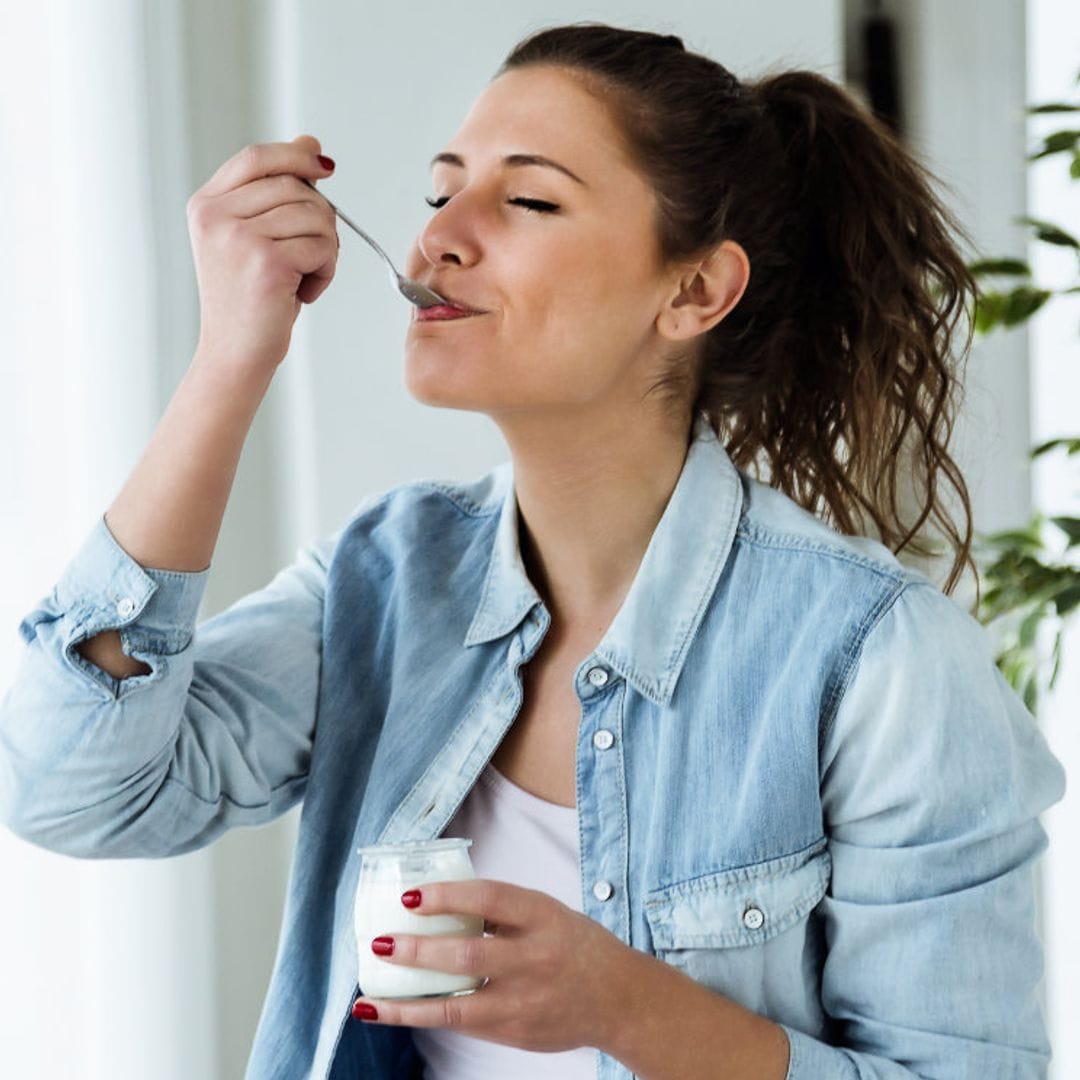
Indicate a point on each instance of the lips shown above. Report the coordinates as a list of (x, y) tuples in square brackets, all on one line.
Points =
[(455, 303), (443, 312)]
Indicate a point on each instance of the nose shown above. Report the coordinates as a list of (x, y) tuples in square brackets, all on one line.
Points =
[(448, 239)]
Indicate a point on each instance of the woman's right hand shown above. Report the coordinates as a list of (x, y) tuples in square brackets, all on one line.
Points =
[(264, 243)]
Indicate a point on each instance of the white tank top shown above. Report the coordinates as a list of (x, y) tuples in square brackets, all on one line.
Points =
[(523, 839)]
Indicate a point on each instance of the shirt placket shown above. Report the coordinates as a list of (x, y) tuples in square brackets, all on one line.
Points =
[(602, 810)]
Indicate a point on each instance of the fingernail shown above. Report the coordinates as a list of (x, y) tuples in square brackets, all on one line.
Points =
[(411, 898), (383, 946), (325, 162), (361, 1010)]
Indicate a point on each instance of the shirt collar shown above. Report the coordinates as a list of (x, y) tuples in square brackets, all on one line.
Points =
[(649, 638)]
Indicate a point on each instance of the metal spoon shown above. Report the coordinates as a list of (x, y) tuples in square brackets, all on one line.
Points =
[(413, 291)]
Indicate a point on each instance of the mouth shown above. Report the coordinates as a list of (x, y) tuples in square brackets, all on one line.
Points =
[(452, 309)]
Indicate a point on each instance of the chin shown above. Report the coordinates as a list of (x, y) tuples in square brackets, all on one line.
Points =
[(444, 378), (432, 387)]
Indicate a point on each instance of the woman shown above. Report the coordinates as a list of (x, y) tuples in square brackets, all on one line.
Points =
[(748, 797)]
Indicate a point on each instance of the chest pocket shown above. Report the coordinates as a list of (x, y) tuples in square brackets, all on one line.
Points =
[(709, 926)]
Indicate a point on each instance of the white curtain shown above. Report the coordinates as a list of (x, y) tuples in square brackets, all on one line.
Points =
[(120, 969), (84, 156)]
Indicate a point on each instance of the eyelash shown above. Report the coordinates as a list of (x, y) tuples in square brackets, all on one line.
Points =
[(536, 205)]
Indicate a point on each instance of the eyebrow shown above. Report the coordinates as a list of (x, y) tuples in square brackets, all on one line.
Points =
[(510, 161)]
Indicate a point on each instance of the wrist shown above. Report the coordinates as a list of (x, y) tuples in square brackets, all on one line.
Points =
[(661, 1024), (214, 364), (630, 985)]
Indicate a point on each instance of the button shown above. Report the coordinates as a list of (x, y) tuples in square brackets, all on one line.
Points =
[(125, 607), (603, 890), (753, 918), (603, 739), (597, 676)]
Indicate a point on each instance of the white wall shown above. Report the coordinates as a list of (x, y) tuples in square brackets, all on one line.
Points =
[(962, 89)]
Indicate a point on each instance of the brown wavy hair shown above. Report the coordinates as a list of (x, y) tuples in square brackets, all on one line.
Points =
[(835, 372)]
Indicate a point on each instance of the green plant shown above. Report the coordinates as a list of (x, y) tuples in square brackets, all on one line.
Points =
[(1031, 574)]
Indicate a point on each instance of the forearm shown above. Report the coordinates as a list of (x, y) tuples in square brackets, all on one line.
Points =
[(169, 512), (669, 1027)]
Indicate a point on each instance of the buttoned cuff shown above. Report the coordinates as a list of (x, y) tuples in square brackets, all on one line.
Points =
[(104, 588)]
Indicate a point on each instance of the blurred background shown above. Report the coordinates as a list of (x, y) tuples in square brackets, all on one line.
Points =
[(113, 112)]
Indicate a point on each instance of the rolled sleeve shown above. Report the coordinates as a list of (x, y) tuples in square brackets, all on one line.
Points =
[(104, 588), (217, 734), (933, 775)]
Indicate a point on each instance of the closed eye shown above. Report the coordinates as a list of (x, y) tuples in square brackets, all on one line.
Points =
[(537, 205)]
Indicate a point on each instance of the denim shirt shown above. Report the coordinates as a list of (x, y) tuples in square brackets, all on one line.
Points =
[(800, 777)]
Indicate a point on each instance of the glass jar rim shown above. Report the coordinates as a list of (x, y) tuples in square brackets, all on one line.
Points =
[(414, 847)]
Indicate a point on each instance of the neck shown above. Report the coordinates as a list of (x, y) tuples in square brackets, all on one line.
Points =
[(590, 496)]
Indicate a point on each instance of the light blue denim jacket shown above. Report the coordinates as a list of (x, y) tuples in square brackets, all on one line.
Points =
[(818, 796)]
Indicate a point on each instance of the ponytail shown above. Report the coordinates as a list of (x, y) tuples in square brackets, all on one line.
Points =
[(833, 377)]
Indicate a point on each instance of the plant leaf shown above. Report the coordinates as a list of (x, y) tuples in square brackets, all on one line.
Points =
[(989, 311), (1067, 600), (1054, 107), (1022, 303), (1053, 444), (1028, 538), (1029, 628), (1055, 656), (1056, 143), (1031, 695), (1070, 526), (1049, 232), (1074, 167), (1016, 267)]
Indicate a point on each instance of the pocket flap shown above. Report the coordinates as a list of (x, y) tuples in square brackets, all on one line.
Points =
[(743, 906)]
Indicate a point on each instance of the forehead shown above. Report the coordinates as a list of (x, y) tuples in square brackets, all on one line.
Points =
[(543, 110)]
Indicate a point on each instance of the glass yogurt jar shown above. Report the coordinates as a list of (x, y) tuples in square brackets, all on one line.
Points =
[(386, 871)]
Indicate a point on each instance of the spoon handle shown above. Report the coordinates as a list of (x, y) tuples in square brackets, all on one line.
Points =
[(413, 291), (355, 228)]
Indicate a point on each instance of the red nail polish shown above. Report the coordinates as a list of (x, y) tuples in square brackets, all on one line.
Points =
[(383, 946), (411, 898), (325, 162), (361, 1010)]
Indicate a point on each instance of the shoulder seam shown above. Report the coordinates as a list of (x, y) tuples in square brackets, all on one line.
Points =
[(758, 536), (871, 620)]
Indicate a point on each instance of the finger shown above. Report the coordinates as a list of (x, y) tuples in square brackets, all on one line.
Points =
[(499, 902), (268, 193), (464, 1012), (299, 157), (294, 219), (316, 258), (310, 256), (450, 954)]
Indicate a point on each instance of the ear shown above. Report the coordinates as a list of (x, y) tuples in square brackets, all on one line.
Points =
[(705, 293)]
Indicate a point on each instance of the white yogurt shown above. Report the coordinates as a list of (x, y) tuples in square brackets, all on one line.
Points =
[(385, 873)]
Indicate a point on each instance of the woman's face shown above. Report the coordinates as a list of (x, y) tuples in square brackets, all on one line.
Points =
[(570, 294)]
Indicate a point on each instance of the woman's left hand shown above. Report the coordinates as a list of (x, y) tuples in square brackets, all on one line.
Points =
[(556, 978)]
